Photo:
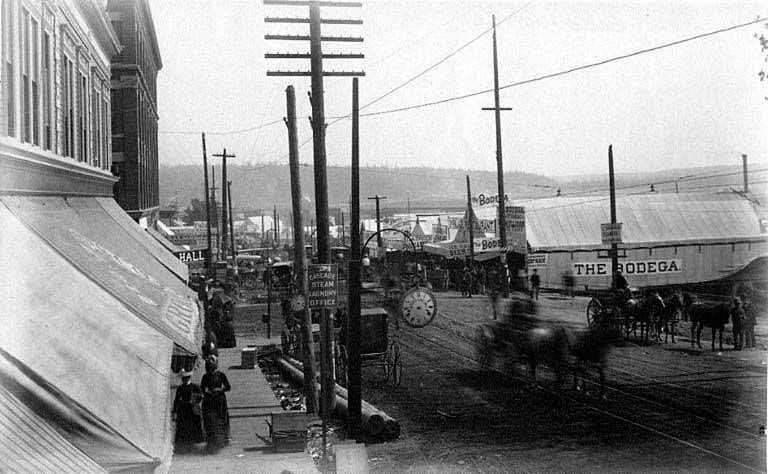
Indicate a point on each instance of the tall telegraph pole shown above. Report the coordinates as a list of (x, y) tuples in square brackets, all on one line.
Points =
[(300, 255), (379, 241), (499, 164), (318, 134), (614, 247), (224, 223), (207, 212)]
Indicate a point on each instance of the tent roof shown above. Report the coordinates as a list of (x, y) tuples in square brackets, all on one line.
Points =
[(29, 444), (159, 247), (76, 354), (570, 223), (90, 239)]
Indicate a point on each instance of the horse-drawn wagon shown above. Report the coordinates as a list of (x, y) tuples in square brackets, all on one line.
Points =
[(521, 338), (623, 312)]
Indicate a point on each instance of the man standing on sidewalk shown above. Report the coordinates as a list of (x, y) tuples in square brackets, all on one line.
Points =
[(535, 283)]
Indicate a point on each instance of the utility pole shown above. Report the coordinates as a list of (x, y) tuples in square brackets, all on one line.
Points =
[(207, 213), (499, 164), (379, 241), (224, 157), (274, 226), (354, 401), (470, 225), (300, 255), (614, 247), (231, 225), (215, 213), (744, 166), (318, 135), (263, 230), (343, 231)]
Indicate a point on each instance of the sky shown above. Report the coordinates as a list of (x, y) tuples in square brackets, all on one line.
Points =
[(698, 103)]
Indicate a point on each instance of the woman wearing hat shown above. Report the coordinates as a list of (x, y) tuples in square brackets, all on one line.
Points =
[(215, 413), (186, 411)]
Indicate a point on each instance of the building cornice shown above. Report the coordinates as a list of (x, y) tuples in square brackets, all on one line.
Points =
[(28, 170), (101, 27)]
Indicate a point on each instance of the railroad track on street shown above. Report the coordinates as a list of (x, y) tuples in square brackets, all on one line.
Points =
[(656, 416)]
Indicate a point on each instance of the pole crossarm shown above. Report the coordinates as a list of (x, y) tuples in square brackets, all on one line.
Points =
[(326, 21), (495, 108), (306, 3), (309, 73), (309, 56), (346, 39)]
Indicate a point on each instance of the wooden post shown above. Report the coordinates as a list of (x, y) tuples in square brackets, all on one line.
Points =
[(355, 261), (470, 226), (299, 255), (321, 210), (502, 231), (207, 213), (614, 247), (231, 225)]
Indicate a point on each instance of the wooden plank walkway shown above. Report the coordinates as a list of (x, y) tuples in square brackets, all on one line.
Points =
[(251, 402)]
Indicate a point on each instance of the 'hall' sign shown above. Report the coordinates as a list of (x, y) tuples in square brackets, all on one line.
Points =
[(187, 256)]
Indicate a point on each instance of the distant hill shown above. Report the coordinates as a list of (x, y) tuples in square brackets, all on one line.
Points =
[(262, 187)]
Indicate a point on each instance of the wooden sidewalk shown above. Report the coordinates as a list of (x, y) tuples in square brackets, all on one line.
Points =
[(251, 402)]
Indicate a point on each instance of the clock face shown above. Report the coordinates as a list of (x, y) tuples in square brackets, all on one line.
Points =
[(297, 303), (418, 307)]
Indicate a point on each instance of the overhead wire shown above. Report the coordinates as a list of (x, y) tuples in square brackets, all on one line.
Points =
[(571, 70)]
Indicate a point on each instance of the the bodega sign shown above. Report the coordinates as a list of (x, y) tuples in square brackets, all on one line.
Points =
[(323, 288), (640, 267)]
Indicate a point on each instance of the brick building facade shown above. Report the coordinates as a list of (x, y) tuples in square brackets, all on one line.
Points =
[(55, 98), (134, 109)]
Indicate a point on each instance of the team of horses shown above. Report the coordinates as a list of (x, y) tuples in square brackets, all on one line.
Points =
[(565, 349)]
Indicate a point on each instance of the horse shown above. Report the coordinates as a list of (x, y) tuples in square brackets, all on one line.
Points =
[(647, 312), (673, 305), (715, 317), (589, 348)]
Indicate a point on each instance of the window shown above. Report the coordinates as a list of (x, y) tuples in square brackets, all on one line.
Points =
[(82, 116), (35, 70), (67, 92), (7, 46), (26, 113), (106, 132), (46, 80)]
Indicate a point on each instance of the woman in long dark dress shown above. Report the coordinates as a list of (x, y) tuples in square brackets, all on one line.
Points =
[(215, 413), (186, 410)]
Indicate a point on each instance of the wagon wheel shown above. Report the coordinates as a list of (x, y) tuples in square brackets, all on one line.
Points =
[(394, 365), (593, 310), (342, 363)]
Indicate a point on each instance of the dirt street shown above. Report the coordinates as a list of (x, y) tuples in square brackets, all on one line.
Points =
[(666, 408)]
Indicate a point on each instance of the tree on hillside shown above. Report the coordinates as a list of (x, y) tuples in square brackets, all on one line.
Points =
[(196, 212)]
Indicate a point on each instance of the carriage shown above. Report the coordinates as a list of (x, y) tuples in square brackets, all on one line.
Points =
[(377, 349), (608, 307)]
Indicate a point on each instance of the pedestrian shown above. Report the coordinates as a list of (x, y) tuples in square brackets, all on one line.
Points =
[(750, 321), (737, 316), (214, 385), (535, 284), (494, 280), (569, 283), (466, 278), (186, 412)]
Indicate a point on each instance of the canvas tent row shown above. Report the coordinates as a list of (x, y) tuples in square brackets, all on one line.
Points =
[(91, 317)]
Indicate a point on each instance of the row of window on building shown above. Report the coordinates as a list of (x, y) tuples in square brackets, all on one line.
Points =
[(55, 88)]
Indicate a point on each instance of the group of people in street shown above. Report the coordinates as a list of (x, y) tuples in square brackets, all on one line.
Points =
[(744, 319), (201, 411)]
